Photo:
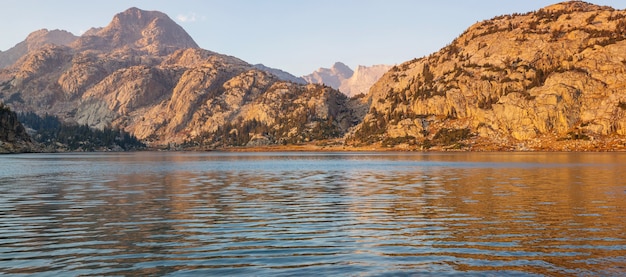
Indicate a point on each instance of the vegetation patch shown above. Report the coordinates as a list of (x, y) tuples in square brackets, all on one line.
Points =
[(575, 136), (390, 142), (447, 136), (302, 128), (15, 98)]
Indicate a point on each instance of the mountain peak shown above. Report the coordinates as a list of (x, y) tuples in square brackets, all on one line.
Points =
[(150, 31)]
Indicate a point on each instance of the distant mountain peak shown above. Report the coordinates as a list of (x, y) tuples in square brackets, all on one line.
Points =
[(350, 82), (342, 70), (332, 76), (150, 31)]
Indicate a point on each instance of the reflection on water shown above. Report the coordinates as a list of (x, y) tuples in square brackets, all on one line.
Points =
[(313, 213)]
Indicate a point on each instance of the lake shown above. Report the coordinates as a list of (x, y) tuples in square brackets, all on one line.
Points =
[(285, 214)]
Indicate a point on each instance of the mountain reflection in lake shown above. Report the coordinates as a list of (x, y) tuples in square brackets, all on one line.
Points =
[(313, 214)]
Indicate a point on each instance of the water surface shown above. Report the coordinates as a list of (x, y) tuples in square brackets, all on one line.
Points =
[(365, 214)]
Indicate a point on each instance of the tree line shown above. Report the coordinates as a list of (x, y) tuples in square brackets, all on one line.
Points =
[(51, 131)]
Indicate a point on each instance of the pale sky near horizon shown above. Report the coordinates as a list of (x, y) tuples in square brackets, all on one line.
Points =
[(293, 35)]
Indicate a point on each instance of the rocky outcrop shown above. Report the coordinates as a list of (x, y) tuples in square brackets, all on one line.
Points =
[(350, 82), (35, 41), (546, 80), (13, 136)]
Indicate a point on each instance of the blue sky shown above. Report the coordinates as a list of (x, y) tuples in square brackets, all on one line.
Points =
[(294, 35)]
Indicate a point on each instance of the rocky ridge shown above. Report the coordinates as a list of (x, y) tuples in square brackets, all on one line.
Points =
[(547, 80)]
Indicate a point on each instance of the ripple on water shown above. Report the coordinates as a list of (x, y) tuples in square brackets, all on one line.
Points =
[(306, 214)]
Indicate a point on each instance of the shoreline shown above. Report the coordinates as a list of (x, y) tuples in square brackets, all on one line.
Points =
[(565, 147)]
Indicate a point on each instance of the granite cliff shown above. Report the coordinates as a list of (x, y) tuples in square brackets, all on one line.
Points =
[(552, 79)]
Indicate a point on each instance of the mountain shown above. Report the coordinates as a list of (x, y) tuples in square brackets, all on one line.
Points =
[(546, 80), (143, 74), (34, 41), (282, 75), (343, 78), (13, 136)]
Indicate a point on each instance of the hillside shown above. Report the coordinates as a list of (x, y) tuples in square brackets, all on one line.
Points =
[(547, 80), (143, 74)]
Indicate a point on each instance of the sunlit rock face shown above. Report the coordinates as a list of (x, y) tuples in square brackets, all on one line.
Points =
[(551, 79)]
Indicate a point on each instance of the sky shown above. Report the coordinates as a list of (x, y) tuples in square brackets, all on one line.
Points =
[(298, 36)]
